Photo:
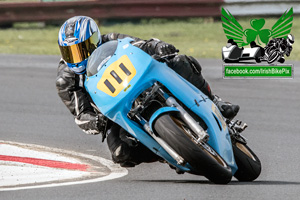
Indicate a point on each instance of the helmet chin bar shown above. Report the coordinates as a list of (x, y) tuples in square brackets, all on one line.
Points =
[(78, 68)]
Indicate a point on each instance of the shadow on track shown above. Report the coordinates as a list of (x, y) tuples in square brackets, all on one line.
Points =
[(234, 182), (266, 182)]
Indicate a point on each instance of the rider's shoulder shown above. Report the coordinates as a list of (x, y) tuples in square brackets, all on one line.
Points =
[(63, 68), (109, 36)]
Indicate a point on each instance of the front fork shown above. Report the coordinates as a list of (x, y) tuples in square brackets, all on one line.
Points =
[(236, 127), (162, 143), (201, 134)]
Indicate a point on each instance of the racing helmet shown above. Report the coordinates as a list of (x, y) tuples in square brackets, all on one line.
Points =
[(78, 37), (290, 39)]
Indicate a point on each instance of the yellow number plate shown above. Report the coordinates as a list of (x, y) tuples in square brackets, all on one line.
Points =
[(117, 76)]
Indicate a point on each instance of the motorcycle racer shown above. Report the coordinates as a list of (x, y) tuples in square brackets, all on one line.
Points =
[(78, 37), (280, 46)]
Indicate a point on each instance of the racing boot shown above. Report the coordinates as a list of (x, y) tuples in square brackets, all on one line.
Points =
[(227, 109)]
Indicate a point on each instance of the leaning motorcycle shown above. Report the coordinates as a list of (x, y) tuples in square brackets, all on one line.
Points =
[(167, 114)]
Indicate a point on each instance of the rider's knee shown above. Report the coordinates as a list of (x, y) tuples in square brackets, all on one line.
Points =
[(120, 150), (181, 65)]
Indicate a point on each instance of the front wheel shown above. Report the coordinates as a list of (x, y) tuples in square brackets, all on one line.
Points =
[(249, 166), (273, 56), (201, 157)]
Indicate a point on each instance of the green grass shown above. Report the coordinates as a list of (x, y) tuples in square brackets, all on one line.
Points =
[(201, 38)]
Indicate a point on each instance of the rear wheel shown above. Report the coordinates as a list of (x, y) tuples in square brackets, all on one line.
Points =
[(249, 166), (201, 157)]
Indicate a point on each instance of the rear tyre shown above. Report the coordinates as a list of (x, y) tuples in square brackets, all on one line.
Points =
[(201, 157), (249, 166)]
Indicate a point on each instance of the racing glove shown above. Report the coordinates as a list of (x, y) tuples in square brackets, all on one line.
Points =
[(92, 123), (163, 49)]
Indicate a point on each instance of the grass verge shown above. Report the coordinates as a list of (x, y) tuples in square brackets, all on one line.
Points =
[(201, 38)]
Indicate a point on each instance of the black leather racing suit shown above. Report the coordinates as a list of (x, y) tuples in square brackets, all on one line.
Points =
[(73, 94)]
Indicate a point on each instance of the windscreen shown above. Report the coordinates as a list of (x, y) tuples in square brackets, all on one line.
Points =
[(100, 56)]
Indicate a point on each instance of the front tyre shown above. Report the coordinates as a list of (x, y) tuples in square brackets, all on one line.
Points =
[(201, 157), (249, 166), (273, 56)]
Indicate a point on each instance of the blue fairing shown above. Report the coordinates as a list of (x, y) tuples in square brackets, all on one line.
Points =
[(114, 97)]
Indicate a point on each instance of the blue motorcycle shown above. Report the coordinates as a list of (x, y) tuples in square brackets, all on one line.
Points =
[(168, 114)]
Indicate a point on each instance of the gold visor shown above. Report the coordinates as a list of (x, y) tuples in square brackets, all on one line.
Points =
[(81, 51)]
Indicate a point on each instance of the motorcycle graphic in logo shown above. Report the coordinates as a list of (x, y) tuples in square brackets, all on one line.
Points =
[(277, 41)]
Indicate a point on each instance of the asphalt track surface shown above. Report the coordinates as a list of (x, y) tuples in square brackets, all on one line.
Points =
[(31, 112)]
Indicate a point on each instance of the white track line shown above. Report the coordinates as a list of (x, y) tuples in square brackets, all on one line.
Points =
[(116, 170)]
